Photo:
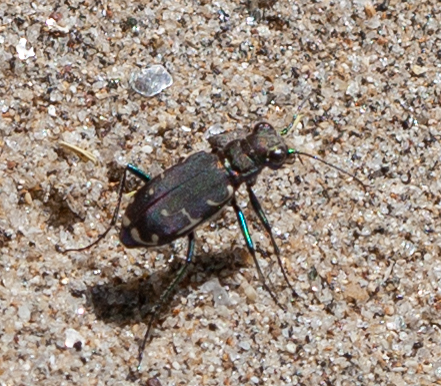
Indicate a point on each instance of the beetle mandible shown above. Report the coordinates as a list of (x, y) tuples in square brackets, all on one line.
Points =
[(174, 203)]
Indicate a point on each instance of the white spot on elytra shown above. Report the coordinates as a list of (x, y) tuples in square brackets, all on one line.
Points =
[(137, 238), (193, 222), (125, 221), (230, 191)]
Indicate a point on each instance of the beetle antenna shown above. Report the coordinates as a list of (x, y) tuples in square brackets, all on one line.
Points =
[(296, 117), (300, 153)]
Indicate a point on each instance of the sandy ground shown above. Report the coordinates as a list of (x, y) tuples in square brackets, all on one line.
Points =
[(364, 265)]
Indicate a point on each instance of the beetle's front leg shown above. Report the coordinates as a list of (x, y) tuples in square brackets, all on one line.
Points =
[(246, 234), (264, 221), (166, 294)]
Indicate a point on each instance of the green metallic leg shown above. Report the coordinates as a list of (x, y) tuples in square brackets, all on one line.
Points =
[(264, 221), (138, 173), (154, 310), (246, 234)]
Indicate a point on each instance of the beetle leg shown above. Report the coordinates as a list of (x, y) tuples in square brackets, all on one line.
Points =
[(138, 173), (133, 170), (246, 234), (154, 310), (264, 221), (129, 168)]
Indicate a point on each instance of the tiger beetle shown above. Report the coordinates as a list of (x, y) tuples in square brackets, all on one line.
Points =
[(174, 203)]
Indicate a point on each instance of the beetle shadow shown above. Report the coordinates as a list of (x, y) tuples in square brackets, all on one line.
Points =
[(130, 302)]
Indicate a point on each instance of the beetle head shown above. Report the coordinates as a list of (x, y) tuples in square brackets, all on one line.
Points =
[(268, 147)]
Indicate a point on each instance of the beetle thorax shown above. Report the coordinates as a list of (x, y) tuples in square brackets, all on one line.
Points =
[(245, 158)]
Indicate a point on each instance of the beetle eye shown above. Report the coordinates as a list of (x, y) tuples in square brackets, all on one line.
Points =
[(276, 157)]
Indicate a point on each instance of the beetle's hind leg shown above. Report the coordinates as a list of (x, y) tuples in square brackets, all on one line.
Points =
[(137, 173), (264, 221), (246, 234), (154, 310)]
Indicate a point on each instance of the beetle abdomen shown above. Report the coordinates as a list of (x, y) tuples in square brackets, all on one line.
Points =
[(174, 203)]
